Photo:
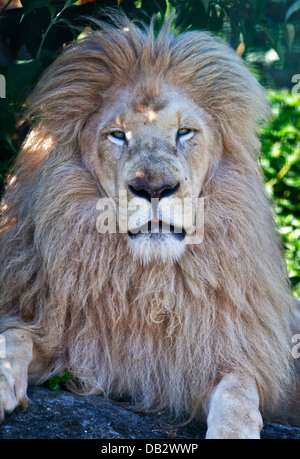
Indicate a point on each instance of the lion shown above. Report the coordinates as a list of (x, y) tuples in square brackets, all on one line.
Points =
[(198, 326)]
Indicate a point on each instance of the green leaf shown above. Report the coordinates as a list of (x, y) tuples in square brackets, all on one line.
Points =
[(19, 76), (292, 9), (7, 125), (205, 4), (259, 9), (55, 381), (32, 5)]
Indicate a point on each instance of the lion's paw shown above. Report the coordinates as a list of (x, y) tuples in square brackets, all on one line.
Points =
[(13, 389)]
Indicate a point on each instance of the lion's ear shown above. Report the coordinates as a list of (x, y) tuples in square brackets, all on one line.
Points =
[(72, 88), (219, 81), (67, 94)]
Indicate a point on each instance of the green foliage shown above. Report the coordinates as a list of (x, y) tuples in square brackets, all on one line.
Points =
[(32, 36), (281, 165), (56, 382)]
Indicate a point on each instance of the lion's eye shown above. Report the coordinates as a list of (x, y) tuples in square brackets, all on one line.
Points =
[(183, 131), (118, 135), (184, 134)]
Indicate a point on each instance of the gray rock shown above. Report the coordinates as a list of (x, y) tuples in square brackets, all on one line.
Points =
[(64, 415)]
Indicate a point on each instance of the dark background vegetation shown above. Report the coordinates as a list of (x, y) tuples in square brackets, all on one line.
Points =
[(266, 33)]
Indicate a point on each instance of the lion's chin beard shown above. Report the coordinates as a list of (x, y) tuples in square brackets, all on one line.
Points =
[(157, 246)]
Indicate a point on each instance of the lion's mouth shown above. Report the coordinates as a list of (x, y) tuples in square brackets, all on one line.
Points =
[(157, 229)]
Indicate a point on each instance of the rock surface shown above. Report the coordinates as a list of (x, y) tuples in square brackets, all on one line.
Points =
[(63, 415)]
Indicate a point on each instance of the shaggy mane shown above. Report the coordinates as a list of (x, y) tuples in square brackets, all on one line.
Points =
[(163, 335)]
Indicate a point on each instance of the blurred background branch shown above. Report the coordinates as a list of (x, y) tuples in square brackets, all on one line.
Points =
[(266, 33)]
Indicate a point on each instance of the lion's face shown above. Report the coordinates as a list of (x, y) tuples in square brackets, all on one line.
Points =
[(155, 151)]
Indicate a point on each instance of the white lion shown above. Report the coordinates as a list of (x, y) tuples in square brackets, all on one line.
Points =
[(200, 329)]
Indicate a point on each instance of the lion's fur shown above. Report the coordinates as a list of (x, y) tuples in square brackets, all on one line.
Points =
[(163, 335)]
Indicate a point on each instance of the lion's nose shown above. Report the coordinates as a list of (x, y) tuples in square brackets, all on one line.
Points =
[(147, 190)]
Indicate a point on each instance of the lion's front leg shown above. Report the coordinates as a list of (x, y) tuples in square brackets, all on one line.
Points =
[(233, 409), (14, 366)]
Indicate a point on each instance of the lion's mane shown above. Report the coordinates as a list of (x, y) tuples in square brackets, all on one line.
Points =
[(165, 334)]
